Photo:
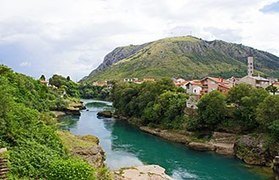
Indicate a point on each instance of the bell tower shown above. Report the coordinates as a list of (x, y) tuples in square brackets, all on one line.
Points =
[(250, 66)]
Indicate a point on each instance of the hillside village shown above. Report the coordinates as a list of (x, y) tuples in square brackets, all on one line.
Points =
[(196, 88)]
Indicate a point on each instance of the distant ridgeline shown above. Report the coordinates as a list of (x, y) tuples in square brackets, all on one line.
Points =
[(187, 57)]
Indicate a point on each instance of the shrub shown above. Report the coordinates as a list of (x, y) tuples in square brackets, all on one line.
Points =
[(70, 169)]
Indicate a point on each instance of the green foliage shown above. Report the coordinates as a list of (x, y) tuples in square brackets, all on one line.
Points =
[(42, 78), (28, 91), (27, 130), (65, 85), (211, 109), (272, 89), (151, 102), (168, 109), (246, 99), (274, 129), (71, 169), (88, 91), (268, 111)]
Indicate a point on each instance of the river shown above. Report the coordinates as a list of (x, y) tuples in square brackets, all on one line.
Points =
[(126, 145)]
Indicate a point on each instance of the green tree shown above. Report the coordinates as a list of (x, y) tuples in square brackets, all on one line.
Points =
[(42, 78), (211, 109), (246, 99), (268, 115), (68, 78), (168, 109), (236, 93), (272, 89), (268, 111)]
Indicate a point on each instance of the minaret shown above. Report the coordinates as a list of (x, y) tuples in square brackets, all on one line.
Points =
[(250, 69)]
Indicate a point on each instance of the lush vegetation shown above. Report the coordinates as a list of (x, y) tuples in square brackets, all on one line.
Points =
[(186, 57), (28, 131), (65, 85), (151, 103), (88, 91), (243, 110)]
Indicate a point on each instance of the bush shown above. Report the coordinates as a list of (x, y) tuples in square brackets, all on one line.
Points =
[(70, 169)]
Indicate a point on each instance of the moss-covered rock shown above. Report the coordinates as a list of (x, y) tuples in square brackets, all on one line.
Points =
[(87, 147), (252, 150)]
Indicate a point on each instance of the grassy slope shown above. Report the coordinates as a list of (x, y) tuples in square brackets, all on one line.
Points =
[(166, 58)]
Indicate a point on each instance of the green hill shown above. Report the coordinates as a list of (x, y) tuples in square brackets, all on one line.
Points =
[(187, 57)]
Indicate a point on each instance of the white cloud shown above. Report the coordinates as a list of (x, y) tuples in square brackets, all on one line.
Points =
[(24, 64), (71, 37)]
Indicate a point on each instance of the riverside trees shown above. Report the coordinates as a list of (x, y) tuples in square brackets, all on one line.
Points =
[(243, 109), (157, 103), (35, 150)]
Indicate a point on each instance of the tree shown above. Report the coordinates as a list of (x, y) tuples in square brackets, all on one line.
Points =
[(211, 109), (246, 99), (268, 115), (42, 78), (272, 89), (236, 93), (268, 111), (168, 109), (68, 78)]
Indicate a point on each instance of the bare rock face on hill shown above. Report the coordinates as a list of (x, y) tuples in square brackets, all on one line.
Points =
[(186, 56)]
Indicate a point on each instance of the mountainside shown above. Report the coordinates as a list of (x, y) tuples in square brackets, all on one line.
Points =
[(187, 57)]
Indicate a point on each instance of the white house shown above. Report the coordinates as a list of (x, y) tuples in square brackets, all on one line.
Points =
[(193, 87)]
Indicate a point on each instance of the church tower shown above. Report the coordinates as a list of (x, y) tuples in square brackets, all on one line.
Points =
[(250, 69)]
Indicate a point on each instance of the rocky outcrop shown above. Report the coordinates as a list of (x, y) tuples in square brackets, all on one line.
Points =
[(106, 114), (116, 55), (94, 155), (86, 147), (223, 143), (252, 151), (148, 172), (58, 114), (201, 146), (166, 134)]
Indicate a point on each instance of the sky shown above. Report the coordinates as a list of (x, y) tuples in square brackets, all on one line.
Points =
[(71, 37)]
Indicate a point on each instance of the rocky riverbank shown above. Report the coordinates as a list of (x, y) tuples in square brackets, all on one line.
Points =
[(73, 108), (251, 148), (221, 143), (86, 147)]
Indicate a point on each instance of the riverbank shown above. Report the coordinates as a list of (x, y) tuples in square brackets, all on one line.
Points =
[(250, 148), (73, 108)]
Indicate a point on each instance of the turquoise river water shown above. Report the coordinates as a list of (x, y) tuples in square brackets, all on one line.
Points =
[(126, 145)]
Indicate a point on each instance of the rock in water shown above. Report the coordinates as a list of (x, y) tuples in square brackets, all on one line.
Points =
[(148, 172), (106, 114)]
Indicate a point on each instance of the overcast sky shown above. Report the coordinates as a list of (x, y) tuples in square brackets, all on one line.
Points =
[(71, 37)]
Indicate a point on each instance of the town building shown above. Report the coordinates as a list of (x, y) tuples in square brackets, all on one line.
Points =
[(193, 87), (100, 83), (255, 81), (212, 83), (131, 79)]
